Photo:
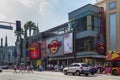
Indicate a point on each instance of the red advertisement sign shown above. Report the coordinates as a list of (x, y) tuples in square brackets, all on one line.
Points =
[(34, 50), (34, 54)]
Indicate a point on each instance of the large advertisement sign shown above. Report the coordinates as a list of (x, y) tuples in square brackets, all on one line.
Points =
[(34, 50), (55, 46), (68, 43)]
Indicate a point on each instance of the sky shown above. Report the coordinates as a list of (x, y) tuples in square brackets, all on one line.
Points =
[(47, 13)]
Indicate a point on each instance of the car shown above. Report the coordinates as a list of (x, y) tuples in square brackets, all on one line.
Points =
[(0, 69), (77, 69), (93, 70)]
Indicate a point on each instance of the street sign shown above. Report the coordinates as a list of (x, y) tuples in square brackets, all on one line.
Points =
[(6, 27)]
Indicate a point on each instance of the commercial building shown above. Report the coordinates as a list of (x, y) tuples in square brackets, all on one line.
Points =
[(112, 9), (81, 39), (88, 25)]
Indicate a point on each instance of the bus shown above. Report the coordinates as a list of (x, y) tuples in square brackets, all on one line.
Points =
[(112, 63)]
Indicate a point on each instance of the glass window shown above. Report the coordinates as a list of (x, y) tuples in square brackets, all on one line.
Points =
[(71, 65), (112, 5), (76, 65), (84, 65), (107, 63), (113, 31), (85, 44), (96, 22), (116, 64)]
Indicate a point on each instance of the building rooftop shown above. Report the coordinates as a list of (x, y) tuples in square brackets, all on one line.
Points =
[(84, 10)]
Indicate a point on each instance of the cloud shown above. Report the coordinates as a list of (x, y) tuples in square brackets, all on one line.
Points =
[(3, 17), (27, 3), (46, 7)]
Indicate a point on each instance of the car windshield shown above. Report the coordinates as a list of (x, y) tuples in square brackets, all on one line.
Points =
[(84, 65)]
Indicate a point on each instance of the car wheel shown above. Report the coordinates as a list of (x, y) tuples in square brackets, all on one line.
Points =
[(114, 72), (87, 74), (77, 73), (92, 73), (65, 72), (73, 73)]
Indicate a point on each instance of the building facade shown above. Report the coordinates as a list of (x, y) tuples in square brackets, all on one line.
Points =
[(112, 23), (81, 39), (88, 25)]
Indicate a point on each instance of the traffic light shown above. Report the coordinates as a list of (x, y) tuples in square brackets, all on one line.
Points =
[(18, 25)]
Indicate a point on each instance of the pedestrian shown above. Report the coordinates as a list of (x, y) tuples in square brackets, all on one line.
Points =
[(41, 68), (15, 68), (28, 70), (20, 68), (25, 67), (31, 68)]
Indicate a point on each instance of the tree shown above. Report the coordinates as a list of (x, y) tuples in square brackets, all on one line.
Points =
[(29, 26)]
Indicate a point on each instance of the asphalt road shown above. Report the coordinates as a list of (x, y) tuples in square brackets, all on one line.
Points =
[(47, 75)]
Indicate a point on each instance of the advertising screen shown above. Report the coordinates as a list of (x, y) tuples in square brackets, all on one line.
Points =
[(68, 43), (34, 50)]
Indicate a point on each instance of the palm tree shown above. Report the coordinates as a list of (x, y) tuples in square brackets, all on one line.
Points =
[(29, 26)]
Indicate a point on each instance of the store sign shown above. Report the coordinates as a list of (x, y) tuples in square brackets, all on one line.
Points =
[(101, 48), (54, 46), (34, 50)]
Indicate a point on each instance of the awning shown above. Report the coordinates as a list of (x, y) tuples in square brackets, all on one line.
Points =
[(61, 58), (89, 54)]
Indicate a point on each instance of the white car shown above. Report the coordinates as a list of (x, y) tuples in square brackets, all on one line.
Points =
[(77, 69)]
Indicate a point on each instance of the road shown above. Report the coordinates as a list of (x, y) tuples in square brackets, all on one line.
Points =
[(47, 75)]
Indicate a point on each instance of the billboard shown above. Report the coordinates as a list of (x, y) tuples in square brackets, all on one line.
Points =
[(54, 46), (68, 43), (34, 50)]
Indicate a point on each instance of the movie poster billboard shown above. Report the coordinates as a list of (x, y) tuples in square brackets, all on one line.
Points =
[(34, 50), (55, 46), (68, 43)]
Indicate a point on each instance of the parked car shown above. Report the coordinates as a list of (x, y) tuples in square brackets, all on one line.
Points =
[(77, 69), (93, 70), (0, 69)]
